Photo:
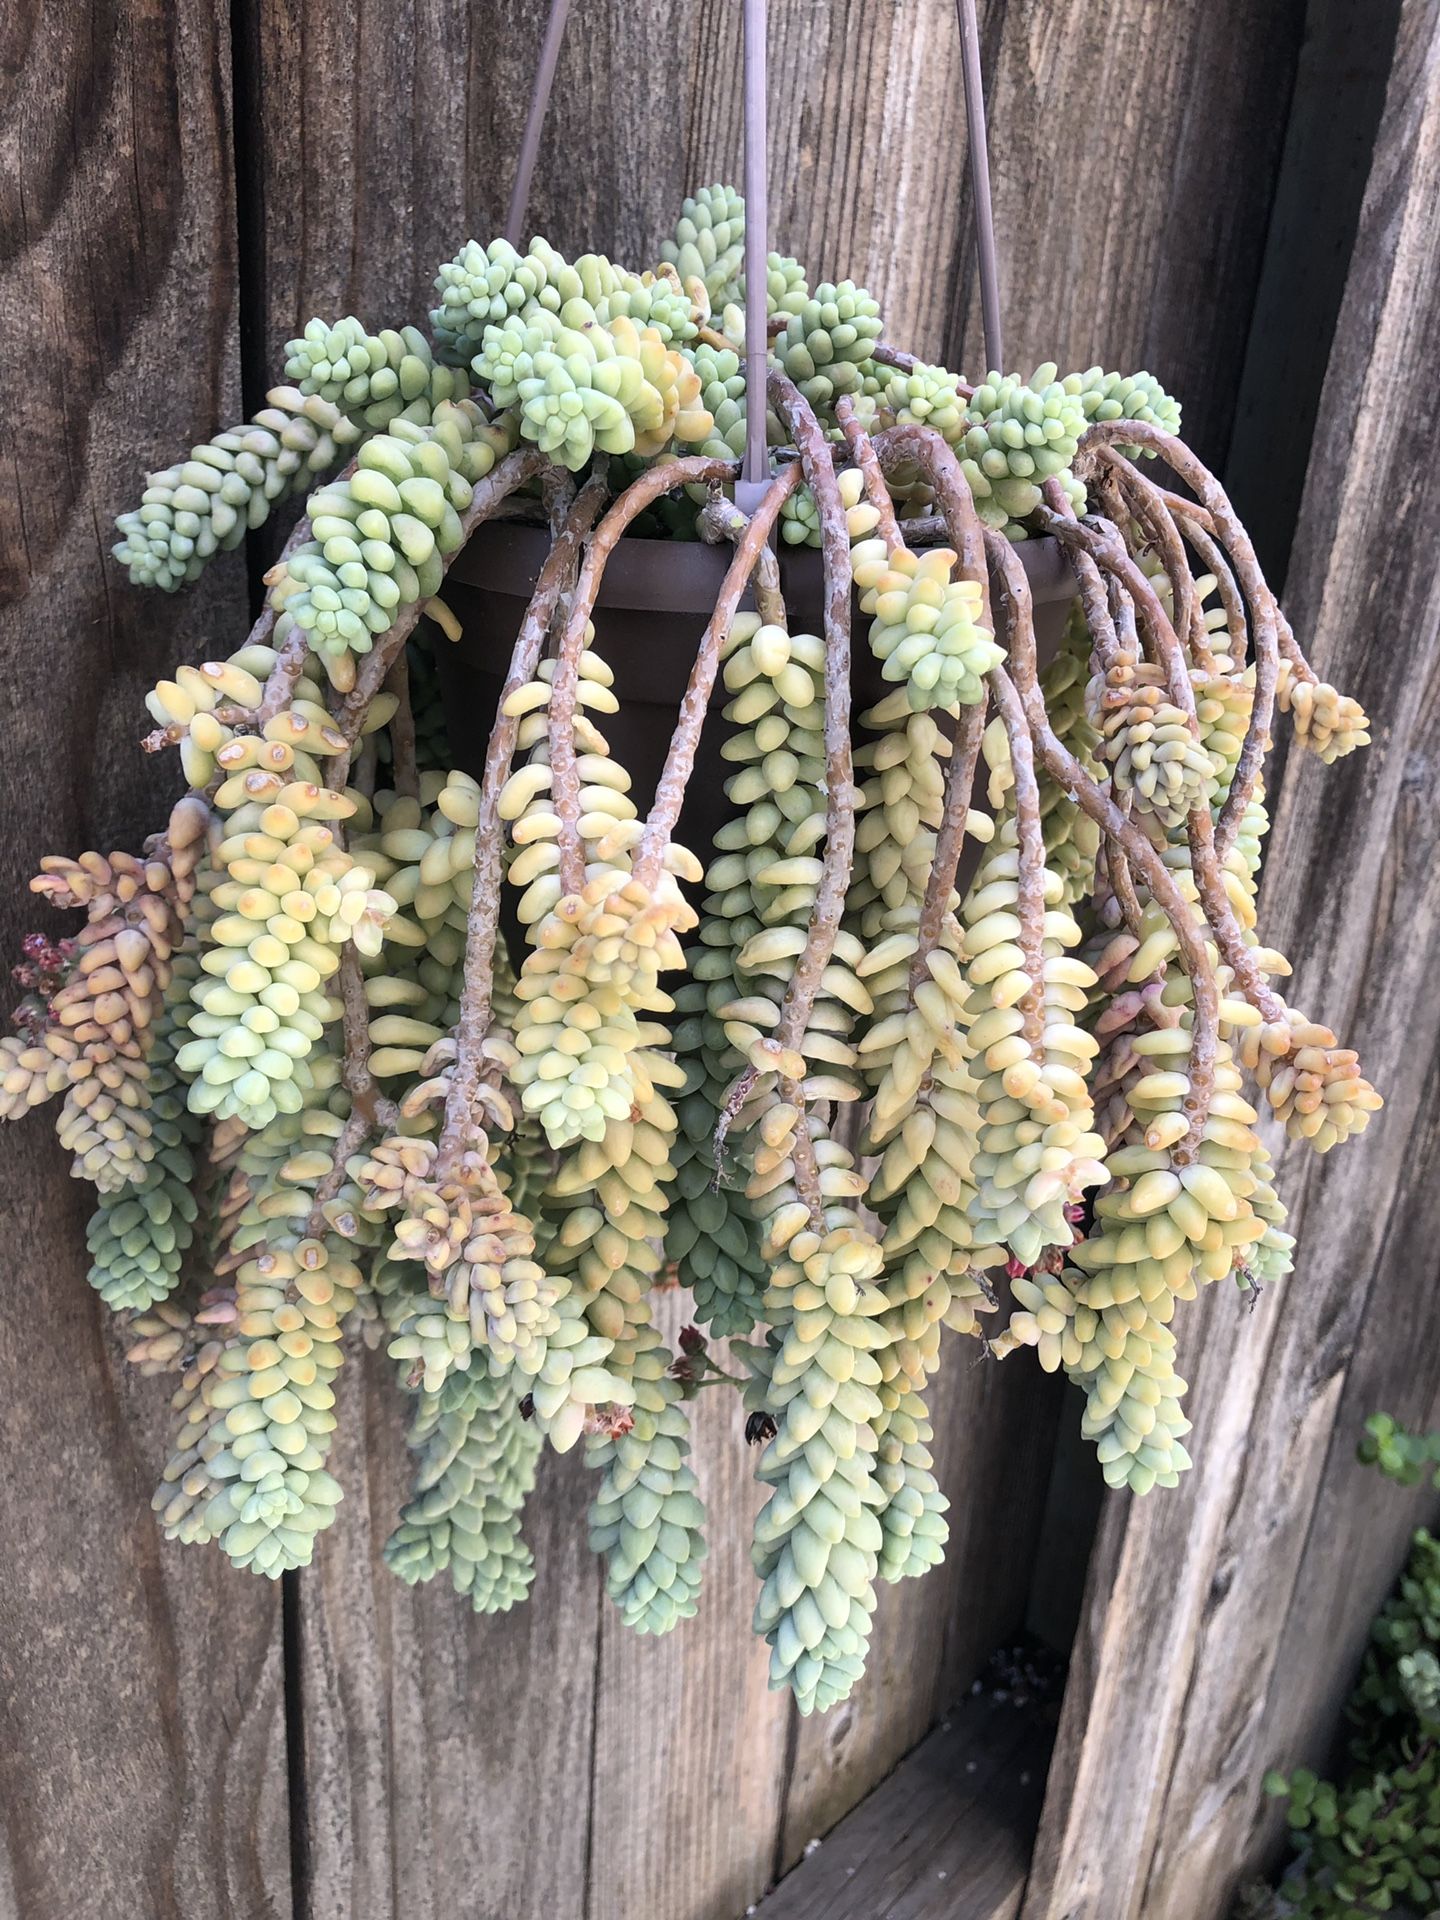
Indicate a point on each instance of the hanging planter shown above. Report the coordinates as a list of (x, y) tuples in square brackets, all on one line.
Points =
[(653, 607), (309, 1091)]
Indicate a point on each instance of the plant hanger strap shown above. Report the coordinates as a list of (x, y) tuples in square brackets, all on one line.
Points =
[(985, 254), (757, 224), (535, 121)]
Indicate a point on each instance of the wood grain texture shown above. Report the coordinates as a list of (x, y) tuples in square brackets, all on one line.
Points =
[(1133, 156), (447, 1756), (142, 1745), (690, 1744), (1106, 254), (1289, 1545), (1339, 94), (945, 1837), (381, 158)]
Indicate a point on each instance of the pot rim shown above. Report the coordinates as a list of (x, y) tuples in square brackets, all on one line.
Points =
[(684, 576)]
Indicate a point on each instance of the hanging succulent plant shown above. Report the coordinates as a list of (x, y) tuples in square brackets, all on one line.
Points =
[(297, 1066)]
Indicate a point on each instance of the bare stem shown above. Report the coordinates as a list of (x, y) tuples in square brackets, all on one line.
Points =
[(1104, 641), (694, 469), (1194, 525), (1122, 615), (802, 1158), (404, 771), (370, 1110), (940, 886), (1265, 622), (1147, 505), (1210, 886), (483, 920), (227, 715), (680, 760), (1102, 542), (929, 450), (1290, 650), (888, 356), (923, 529), (913, 444), (1030, 901), (1122, 885), (829, 905), (721, 519), (1013, 596)]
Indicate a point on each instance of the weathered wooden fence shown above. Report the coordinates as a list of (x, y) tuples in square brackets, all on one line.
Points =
[(180, 186)]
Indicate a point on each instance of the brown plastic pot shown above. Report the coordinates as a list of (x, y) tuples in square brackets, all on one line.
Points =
[(655, 599)]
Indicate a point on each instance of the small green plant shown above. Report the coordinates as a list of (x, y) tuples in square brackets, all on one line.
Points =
[(1371, 1844), (1401, 1456)]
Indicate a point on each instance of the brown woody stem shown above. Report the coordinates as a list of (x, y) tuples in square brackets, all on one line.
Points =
[(1030, 899), (829, 905), (802, 1158), (1196, 529), (680, 760), (1300, 667), (693, 470), (404, 772), (1122, 884), (923, 529), (370, 1110), (483, 921), (911, 443), (1122, 616), (1264, 612), (959, 785), (171, 736), (1013, 594), (721, 519), (888, 356), (1215, 901), (929, 450), (1094, 602), (1101, 540), (1147, 506)]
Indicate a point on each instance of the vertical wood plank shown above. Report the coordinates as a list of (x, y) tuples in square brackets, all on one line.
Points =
[(690, 1744), (381, 158), (1152, 1809), (865, 144), (447, 1756), (1133, 156), (142, 1743), (1339, 94)]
